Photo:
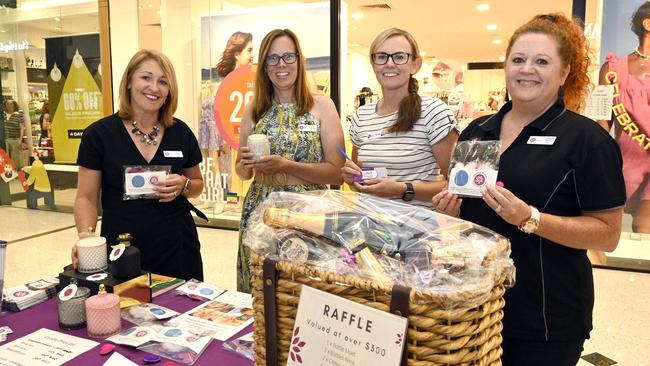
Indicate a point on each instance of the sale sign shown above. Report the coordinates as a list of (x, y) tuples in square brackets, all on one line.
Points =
[(233, 95), (331, 330)]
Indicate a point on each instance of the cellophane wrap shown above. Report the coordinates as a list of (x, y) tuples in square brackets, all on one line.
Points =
[(369, 237)]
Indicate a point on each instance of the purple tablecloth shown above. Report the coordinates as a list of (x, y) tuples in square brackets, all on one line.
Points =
[(45, 316)]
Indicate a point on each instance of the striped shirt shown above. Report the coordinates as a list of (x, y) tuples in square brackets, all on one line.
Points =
[(407, 156), (12, 125)]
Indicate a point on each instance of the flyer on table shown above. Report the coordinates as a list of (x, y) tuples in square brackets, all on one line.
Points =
[(331, 330), (226, 315), (43, 347)]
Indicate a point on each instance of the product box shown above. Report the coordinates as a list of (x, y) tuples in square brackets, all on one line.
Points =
[(132, 291)]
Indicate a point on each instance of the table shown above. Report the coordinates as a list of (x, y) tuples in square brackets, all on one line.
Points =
[(45, 315)]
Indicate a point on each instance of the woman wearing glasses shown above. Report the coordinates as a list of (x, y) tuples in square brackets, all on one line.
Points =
[(303, 132), (411, 136)]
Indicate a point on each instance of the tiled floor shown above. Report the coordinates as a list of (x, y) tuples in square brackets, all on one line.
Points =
[(40, 241)]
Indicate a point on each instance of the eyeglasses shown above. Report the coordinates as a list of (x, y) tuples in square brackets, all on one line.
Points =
[(399, 58), (288, 57)]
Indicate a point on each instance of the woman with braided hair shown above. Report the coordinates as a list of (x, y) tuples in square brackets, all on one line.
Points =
[(409, 135)]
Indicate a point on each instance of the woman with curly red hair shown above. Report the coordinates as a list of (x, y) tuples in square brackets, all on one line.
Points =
[(562, 193)]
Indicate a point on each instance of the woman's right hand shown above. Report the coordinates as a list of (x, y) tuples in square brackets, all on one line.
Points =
[(447, 203), (350, 170), (74, 257), (246, 158)]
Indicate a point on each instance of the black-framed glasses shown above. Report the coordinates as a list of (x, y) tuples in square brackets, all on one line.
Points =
[(399, 58), (288, 57)]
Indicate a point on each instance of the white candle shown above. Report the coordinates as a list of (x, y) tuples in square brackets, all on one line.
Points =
[(259, 145), (92, 255)]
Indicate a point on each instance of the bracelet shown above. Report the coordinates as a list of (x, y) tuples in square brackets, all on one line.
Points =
[(186, 187), (83, 234)]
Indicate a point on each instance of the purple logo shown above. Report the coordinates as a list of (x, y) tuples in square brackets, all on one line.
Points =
[(479, 179)]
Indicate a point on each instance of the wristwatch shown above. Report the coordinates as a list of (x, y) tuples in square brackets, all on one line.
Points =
[(530, 226), (409, 194), (186, 187)]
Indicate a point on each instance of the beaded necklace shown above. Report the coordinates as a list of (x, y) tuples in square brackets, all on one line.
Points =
[(146, 138)]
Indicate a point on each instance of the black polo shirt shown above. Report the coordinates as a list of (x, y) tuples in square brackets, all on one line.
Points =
[(580, 171)]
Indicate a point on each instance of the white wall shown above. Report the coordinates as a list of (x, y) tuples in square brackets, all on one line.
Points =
[(178, 44), (124, 42), (359, 74)]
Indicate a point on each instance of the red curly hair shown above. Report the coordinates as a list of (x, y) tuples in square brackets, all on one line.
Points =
[(573, 49)]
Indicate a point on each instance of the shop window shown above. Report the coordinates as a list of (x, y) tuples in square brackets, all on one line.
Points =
[(49, 69)]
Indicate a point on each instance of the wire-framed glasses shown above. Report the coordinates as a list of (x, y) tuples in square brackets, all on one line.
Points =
[(288, 57), (399, 58)]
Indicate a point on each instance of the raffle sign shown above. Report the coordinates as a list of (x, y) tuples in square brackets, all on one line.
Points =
[(331, 330)]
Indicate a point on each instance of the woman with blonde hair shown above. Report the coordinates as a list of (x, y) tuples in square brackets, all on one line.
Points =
[(409, 135), (303, 130), (562, 193), (143, 133)]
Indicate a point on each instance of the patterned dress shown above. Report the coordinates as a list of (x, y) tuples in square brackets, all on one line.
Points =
[(290, 139)]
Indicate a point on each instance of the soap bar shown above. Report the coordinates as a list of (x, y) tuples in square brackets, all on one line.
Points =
[(106, 348), (151, 359)]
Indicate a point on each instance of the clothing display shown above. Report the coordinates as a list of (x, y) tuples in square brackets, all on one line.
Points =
[(164, 232), (579, 172), (634, 93), (407, 156), (209, 138), (291, 139)]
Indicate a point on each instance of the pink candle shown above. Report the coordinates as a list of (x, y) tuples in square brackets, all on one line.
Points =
[(103, 314)]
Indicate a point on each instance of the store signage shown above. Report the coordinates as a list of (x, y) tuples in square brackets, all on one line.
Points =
[(233, 95), (14, 46), (331, 330)]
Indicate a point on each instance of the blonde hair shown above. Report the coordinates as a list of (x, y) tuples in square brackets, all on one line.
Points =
[(166, 113), (574, 51), (263, 98), (410, 106)]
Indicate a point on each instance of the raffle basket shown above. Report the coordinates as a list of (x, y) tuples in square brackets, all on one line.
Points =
[(453, 300)]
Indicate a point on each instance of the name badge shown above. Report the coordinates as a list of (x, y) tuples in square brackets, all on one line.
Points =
[(173, 154), (307, 128), (541, 140)]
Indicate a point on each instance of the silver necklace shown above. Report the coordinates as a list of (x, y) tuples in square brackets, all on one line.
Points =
[(146, 138)]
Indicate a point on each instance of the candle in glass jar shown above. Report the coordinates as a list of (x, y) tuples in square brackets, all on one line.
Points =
[(259, 145), (92, 254), (103, 314), (72, 310)]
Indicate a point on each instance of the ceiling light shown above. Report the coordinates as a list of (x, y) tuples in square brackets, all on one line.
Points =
[(491, 27), (423, 53), (57, 19), (358, 15), (57, 28), (150, 6), (483, 7), (502, 58), (2, 31), (497, 41)]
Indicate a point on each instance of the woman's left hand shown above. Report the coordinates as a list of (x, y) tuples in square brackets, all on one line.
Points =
[(511, 209), (386, 188), (171, 188), (271, 164)]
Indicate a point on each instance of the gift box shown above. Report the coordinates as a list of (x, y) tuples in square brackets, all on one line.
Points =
[(445, 275), (132, 291)]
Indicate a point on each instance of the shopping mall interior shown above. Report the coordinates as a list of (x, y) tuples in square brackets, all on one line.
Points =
[(463, 48)]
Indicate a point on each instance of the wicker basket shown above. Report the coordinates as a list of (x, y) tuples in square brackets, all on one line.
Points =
[(435, 336)]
